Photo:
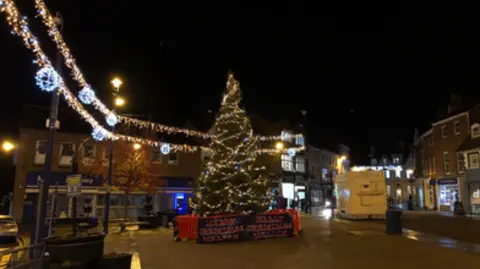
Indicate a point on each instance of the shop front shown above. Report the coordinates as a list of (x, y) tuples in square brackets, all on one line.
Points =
[(472, 184), (448, 193)]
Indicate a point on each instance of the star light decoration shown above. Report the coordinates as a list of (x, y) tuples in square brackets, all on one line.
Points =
[(47, 79), (165, 148)]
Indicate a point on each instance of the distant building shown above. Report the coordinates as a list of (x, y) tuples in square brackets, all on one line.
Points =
[(177, 171), (442, 154), (322, 169)]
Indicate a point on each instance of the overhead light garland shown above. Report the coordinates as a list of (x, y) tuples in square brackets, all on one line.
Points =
[(49, 80), (87, 95)]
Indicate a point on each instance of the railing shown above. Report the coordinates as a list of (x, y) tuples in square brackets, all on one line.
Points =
[(30, 257)]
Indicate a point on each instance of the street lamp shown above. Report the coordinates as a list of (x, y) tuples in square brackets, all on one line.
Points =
[(117, 102), (8, 146), (137, 146), (279, 145)]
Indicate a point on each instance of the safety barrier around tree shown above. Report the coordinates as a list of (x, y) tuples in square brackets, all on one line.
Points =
[(275, 223)]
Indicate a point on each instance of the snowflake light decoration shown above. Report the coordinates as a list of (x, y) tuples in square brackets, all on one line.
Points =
[(99, 133), (112, 119), (86, 95), (47, 79), (165, 148)]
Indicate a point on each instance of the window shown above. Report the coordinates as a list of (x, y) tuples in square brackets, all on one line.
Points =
[(446, 163), (429, 141), (173, 158), (299, 140), (475, 130), (456, 127), (424, 167), (286, 136), (443, 129), (287, 163), (396, 160), (105, 157), (156, 156), (460, 162), (206, 158), (40, 150), (312, 170), (88, 151), (473, 160), (323, 157), (300, 164), (67, 149), (387, 173)]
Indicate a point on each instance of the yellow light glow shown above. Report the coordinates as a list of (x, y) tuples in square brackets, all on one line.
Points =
[(116, 82), (340, 161), (8, 146), (279, 146), (137, 146), (119, 101)]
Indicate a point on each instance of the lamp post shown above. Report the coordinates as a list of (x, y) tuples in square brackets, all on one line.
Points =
[(117, 102), (41, 212)]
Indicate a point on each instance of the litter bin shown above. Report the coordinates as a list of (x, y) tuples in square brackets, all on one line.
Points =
[(394, 222)]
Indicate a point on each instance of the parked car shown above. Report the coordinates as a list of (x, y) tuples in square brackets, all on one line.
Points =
[(8, 229)]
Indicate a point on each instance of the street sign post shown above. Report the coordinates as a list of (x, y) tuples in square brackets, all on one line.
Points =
[(74, 189)]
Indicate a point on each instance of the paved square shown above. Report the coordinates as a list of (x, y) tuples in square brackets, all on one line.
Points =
[(324, 244)]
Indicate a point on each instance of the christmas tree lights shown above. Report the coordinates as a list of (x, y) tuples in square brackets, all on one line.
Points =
[(232, 180)]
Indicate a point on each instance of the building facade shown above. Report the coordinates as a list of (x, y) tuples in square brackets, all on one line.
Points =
[(440, 168), (177, 172), (322, 169)]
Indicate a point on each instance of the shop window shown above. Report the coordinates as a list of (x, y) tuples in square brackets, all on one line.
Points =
[(67, 150), (448, 195), (475, 197), (40, 151), (389, 191), (473, 160), (446, 163)]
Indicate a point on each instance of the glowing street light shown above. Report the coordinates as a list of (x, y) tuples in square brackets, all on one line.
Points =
[(116, 82), (137, 146), (8, 146), (279, 146), (119, 101)]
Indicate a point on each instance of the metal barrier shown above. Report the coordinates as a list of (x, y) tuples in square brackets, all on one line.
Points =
[(30, 256)]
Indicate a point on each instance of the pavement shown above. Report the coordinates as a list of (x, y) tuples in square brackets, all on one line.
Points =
[(324, 244)]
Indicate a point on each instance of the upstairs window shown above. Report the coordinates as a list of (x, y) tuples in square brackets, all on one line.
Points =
[(475, 130), (443, 129), (67, 149), (456, 127), (173, 158)]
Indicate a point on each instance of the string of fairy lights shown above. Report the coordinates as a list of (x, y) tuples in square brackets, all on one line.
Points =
[(48, 80), (87, 94)]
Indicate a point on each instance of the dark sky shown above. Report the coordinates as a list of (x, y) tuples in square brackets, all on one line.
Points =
[(366, 74)]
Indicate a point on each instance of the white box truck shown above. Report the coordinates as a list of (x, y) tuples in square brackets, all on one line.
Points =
[(361, 195)]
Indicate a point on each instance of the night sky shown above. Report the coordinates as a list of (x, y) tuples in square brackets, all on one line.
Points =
[(366, 75)]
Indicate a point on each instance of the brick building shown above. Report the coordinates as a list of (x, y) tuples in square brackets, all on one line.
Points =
[(439, 167), (177, 171)]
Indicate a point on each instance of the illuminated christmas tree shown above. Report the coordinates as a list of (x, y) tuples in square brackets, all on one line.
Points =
[(232, 181)]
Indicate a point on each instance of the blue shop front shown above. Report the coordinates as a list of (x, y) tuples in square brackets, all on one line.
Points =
[(172, 195)]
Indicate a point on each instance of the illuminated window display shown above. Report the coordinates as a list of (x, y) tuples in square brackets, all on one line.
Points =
[(448, 194)]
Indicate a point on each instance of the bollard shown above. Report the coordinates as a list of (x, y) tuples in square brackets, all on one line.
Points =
[(394, 222)]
